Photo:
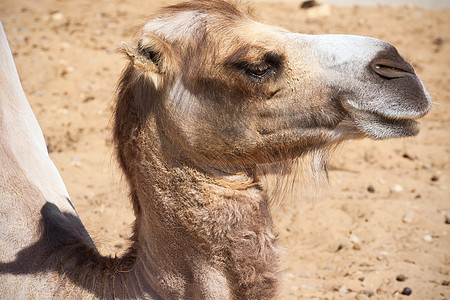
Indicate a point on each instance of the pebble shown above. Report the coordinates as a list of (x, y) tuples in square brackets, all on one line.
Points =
[(406, 291), (359, 275), (407, 156), (355, 241), (76, 161), (382, 257), (371, 189), (88, 98), (428, 238), (397, 188), (447, 220), (369, 292), (408, 217), (57, 16), (434, 178), (401, 277), (343, 290), (308, 4), (446, 282), (438, 41)]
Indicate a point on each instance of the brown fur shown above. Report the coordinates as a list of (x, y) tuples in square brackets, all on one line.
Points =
[(208, 100)]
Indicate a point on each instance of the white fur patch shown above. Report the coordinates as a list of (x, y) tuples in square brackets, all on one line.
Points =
[(333, 50), (182, 98), (175, 27)]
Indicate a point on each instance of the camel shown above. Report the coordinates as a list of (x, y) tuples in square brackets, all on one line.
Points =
[(209, 97)]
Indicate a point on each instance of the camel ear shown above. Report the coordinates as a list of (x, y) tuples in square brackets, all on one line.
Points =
[(152, 57)]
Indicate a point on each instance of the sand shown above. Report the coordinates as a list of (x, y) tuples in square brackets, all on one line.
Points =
[(383, 212)]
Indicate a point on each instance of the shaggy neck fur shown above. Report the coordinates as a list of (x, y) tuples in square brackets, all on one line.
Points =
[(197, 234), (201, 239)]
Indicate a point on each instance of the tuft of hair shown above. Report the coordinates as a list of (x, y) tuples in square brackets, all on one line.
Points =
[(298, 178), (233, 10)]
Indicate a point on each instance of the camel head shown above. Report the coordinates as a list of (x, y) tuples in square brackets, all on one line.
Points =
[(227, 90)]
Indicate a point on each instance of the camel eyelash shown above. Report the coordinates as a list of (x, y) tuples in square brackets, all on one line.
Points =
[(258, 71), (268, 65)]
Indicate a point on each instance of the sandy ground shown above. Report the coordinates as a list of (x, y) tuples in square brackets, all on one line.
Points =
[(383, 212)]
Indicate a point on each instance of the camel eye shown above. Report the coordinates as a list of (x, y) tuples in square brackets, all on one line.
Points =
[(258, 71)]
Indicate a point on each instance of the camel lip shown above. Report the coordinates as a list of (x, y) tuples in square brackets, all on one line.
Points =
[(410, 126), (393, 115), (381, 126)]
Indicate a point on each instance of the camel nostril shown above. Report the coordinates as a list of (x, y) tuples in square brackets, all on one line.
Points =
[(390, 69)]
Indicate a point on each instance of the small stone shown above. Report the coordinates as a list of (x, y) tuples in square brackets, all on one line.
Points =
[(428, 238), (340, 247), (76, 162), (407, 156), (447, 220), (434, 178), (343, 290), (446, 282), (406, 291), (400, 277), (382, 257), (88, 98), (397, 188), (438, 41), (408, 217), (355, 241), (371, 189), (368, 292), (308, 4), (57, 16), (358, 275)]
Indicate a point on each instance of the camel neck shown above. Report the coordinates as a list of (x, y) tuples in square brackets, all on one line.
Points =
[(201, 235)]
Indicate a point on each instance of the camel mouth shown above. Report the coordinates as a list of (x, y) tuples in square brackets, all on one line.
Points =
[(393, 127), (379, 125)]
